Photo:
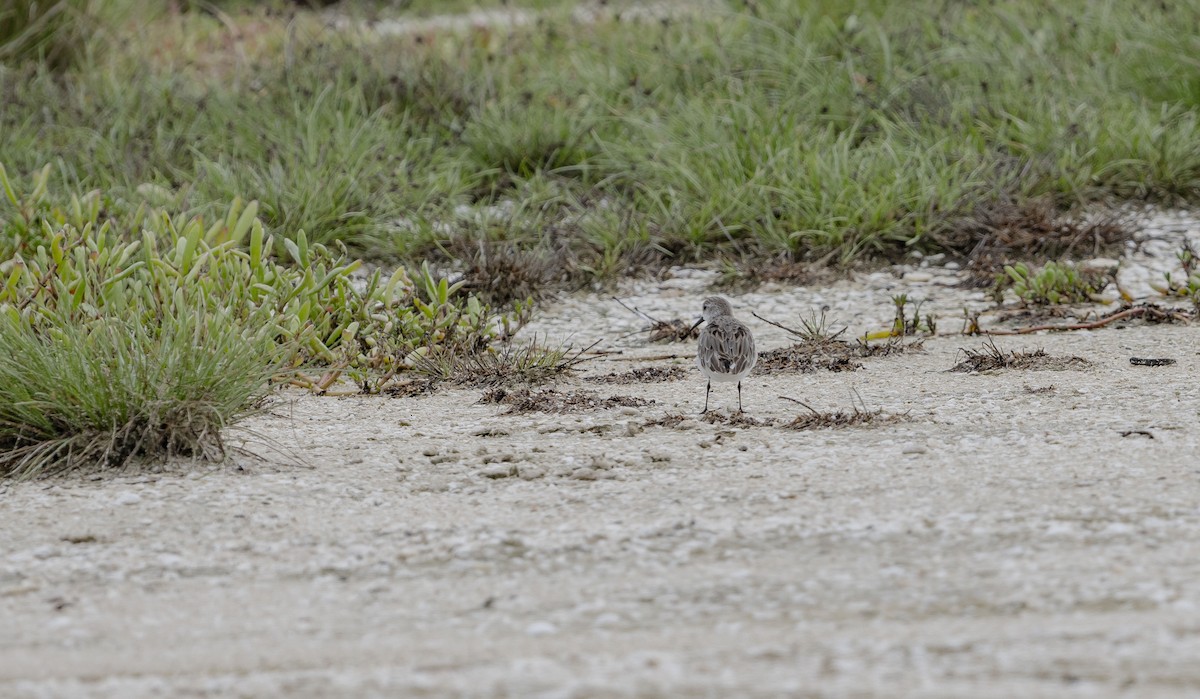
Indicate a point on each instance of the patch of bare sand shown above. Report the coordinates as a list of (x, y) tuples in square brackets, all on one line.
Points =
[(1004, 540)]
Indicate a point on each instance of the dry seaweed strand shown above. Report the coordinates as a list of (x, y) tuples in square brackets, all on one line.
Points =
[(1149, 312), (677, 330), (820, 349), (839, 418), (654, 358), (523, 400), (991, 357), (645, 374)]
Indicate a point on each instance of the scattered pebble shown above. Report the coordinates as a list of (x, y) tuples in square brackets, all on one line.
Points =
[(499, 471), (1099, 264), (602, 463), (43, 552), (530, 472), (128, 498), (541, 628)]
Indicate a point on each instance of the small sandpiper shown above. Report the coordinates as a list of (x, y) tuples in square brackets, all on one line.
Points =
[(726, 348)]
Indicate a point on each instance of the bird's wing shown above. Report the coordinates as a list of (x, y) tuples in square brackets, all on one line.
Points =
[(727, 348)]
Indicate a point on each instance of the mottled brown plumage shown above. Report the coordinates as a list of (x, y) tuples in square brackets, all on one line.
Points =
[(726, 348)]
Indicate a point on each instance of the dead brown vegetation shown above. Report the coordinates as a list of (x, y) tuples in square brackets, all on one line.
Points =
[(1004, 229), (675, 330), (670, 420), (502, 272), (815, 420), (992, 358), (644, 374), (820, 348), (524, 400), (508, 364), (810, 356), (748, 274)]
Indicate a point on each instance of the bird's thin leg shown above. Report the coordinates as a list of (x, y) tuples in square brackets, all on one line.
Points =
[(739, 396), (706, 392)]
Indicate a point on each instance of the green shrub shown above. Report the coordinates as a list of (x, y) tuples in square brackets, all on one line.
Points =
[(1053, 283), (134, 333), (69, 259)]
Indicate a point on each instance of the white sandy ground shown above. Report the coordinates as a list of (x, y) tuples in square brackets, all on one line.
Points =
[(1001, 543)]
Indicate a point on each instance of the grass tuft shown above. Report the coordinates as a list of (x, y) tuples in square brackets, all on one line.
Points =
[(119, 390), (48, 32)]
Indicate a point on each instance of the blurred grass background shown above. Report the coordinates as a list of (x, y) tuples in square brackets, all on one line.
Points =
[(826, 130)]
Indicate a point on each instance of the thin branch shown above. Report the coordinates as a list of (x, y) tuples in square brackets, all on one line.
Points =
[(654, 358), (810, 408), (781, 327), (1120, 315), (638, 311)]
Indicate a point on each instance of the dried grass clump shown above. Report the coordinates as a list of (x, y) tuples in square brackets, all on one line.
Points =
[(858, 415), (738, 419), (1005, 229), (815, 420), (675, 330), (507, 364), (992, 358), (502, 272), (524, 400), (821, 348), (802, 358), (645, 374), (670, 420)]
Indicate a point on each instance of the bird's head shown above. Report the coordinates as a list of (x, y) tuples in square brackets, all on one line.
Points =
[(715, 307)]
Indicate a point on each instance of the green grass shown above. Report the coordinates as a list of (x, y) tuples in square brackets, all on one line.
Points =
[(133, 334), (102, 395), (821, 131), (95, 257), (52, 32)]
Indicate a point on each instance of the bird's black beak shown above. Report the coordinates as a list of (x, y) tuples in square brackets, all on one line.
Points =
[(693, 328)]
